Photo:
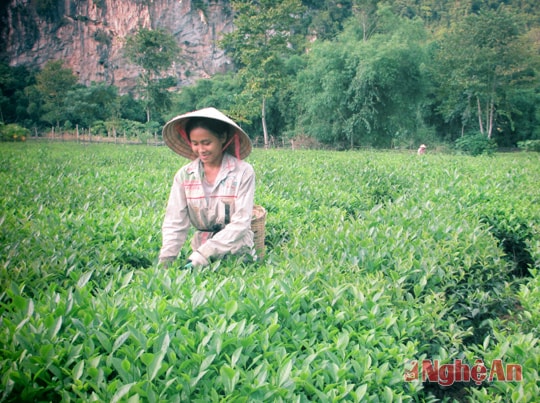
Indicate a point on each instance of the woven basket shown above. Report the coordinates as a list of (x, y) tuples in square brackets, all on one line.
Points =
[(258, 222)]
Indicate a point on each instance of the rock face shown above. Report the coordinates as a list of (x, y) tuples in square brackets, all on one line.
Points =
[(88, 35)]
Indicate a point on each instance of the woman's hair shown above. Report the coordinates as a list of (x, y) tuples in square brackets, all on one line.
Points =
[(218, 128)]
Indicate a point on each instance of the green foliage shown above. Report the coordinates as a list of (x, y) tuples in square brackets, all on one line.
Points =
[(102, 36), (53, 84), (328, 20), (476, 144), (373, 259), (357, 92), (513, 235), (265, 35), (122, 128), (89, 104), (131, 109), (154, 51), (13, 132), (480, 65), (220, 92), (47, 9), (319, 93), (530, 145), (13, 81)]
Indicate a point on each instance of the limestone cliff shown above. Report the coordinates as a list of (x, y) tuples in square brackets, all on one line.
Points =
[(88, 35)]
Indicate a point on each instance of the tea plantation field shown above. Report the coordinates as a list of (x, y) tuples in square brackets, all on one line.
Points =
[(388, 277)]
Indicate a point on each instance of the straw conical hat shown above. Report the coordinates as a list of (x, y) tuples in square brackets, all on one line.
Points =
[(175, 137)]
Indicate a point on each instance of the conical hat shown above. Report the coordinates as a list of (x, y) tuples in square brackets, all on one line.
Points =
[(174, 134)]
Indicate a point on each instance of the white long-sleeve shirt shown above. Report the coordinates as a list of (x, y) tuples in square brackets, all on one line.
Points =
[(189, 205)]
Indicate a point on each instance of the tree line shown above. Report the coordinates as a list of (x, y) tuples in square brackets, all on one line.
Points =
[(345, 74)]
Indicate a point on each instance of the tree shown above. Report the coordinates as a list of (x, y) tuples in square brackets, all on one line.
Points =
[(154, 51), (13, 102), (365, 12), (479, 64), (265, 36), (53, 84), (219, 92), (321, 88), (357, 91), (89, 104), (327, 17), (131, 109)]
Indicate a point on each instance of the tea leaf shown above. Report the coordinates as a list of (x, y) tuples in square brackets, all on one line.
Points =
[(198, 298), (122, 391), (229, 377), (195, 381), (284, 373), (342, 341), (207, 362), (120, 340), (77, 370), (126, 279), (230, 308), (485, 344), (155, 365), (126, 365), (53, 331), (236, 356), (83, 280), (104, 340), (360, 392), (388, 395)]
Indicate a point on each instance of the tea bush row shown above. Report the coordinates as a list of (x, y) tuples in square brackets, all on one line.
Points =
[(373, 259)]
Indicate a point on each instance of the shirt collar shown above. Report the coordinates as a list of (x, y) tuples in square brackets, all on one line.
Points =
[(228, 164)]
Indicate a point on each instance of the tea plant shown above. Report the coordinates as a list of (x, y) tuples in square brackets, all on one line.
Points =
[(372, 260)]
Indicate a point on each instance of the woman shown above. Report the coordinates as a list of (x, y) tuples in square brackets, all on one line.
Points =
[(214, 192)]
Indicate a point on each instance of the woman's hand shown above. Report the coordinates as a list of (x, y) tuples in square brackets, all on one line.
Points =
[(166, 262), (198, 260)]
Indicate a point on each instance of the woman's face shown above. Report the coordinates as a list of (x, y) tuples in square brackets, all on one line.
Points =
[(207, 146)]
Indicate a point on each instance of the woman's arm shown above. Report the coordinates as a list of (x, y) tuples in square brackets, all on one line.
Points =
[(176, 222)]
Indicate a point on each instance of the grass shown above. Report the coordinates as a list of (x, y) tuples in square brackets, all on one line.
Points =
[(373, 259)]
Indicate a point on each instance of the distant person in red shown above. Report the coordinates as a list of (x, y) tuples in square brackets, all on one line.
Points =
[(422, 149)]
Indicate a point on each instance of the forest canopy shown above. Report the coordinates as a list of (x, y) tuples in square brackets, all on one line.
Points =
[(343, 74)]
